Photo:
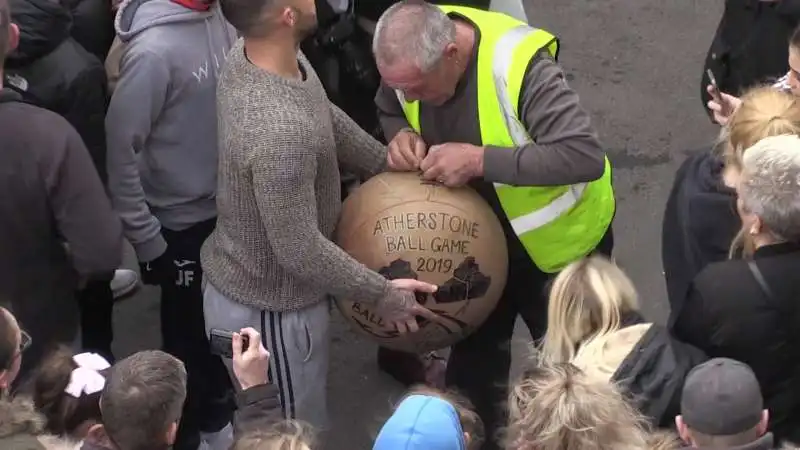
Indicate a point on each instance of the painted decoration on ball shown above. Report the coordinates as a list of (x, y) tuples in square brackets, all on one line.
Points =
[(404, 227)]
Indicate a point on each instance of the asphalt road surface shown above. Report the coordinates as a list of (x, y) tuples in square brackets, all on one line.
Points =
[(636, 66)]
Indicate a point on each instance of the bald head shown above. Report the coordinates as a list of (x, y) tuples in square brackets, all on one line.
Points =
[(412, 31)]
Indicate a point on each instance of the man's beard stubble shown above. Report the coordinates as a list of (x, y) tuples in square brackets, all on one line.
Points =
[(306, 25)]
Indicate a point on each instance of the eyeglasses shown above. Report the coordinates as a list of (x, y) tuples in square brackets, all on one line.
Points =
[(25, 341)]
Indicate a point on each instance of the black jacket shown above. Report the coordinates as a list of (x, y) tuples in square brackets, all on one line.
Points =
[(58, 74), (728, 314), (92, 25), (765, 442), (653, 373), (700, 221), (51, 196), (373, 9), (750, 46)]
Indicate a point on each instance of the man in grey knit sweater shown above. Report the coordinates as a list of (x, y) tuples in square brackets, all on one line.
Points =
[(270, 263)]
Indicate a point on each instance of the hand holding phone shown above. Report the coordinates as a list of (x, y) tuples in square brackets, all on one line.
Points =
[(221, 342), (722, 105), (250, 362), (714, 87)]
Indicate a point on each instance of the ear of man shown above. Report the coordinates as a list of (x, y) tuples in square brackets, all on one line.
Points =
[(98, 437)]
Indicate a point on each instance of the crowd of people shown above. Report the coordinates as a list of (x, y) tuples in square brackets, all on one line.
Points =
[(196, 131)]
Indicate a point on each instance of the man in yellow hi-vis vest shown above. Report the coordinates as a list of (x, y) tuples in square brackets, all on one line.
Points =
[(472, 97)]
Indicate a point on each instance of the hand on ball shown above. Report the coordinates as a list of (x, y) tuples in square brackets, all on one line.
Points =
[(406, 151), (453, 164), (400, 307)]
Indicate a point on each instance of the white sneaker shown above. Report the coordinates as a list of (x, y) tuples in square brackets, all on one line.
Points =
[(221, 440), (124, 283)]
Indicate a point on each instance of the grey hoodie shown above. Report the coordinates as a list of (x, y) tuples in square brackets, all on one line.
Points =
[(161, 124)]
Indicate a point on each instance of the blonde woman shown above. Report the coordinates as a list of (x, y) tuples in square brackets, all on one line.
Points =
[(700, 219), (558, 407), (594, 322), (747, 308)]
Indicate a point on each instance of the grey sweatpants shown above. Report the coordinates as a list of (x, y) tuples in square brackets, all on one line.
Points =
[(298, 343)]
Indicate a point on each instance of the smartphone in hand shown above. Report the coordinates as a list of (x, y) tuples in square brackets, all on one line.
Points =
[(221, 343), (716, 94)]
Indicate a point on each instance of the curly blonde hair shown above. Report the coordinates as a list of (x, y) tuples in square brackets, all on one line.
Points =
[(287, 435), (558, 407)]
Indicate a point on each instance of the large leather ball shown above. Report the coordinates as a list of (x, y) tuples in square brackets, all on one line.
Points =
[(404, 227)]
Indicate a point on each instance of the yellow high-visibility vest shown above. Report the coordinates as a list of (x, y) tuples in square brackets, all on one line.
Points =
[(556, 224)]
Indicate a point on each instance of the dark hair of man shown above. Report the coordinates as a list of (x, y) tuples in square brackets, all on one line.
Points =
[(5, 23), (144, 394), (8, 331), (249, 17)]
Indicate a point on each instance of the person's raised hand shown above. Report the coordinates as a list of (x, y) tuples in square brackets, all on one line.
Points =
[(406, 151), (251, 364), (723, 106), (400, 307)]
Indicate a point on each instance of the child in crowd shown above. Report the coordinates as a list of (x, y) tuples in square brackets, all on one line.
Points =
[(428, 419), (66, 389), (287, 435)]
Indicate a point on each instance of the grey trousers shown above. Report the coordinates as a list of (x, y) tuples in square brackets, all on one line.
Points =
[(298, 343)]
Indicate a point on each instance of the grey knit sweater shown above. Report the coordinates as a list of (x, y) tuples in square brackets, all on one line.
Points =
[(281, 144)]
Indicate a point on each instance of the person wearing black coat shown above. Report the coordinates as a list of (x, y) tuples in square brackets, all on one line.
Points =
[(700, 221), (53, 71), (750, 45), (748, 309)]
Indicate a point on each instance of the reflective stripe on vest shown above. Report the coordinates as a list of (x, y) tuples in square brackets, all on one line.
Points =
[(504, 55)]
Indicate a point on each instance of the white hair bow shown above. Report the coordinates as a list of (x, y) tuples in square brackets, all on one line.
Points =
[(86, 379)]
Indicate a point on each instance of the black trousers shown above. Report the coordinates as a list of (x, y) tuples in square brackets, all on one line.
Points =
[(209, 402), (479, 365), (96, 303)]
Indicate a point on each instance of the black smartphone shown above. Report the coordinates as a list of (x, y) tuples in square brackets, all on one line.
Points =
[(221, 342), (716, 94)]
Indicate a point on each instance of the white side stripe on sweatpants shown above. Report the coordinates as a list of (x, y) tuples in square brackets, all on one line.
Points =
[(280, 372)]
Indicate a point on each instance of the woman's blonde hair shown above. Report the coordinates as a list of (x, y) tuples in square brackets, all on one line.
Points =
[(764, 112), (664, 440), (587, 301), (557, 406), (286, 435), (471, 422)]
